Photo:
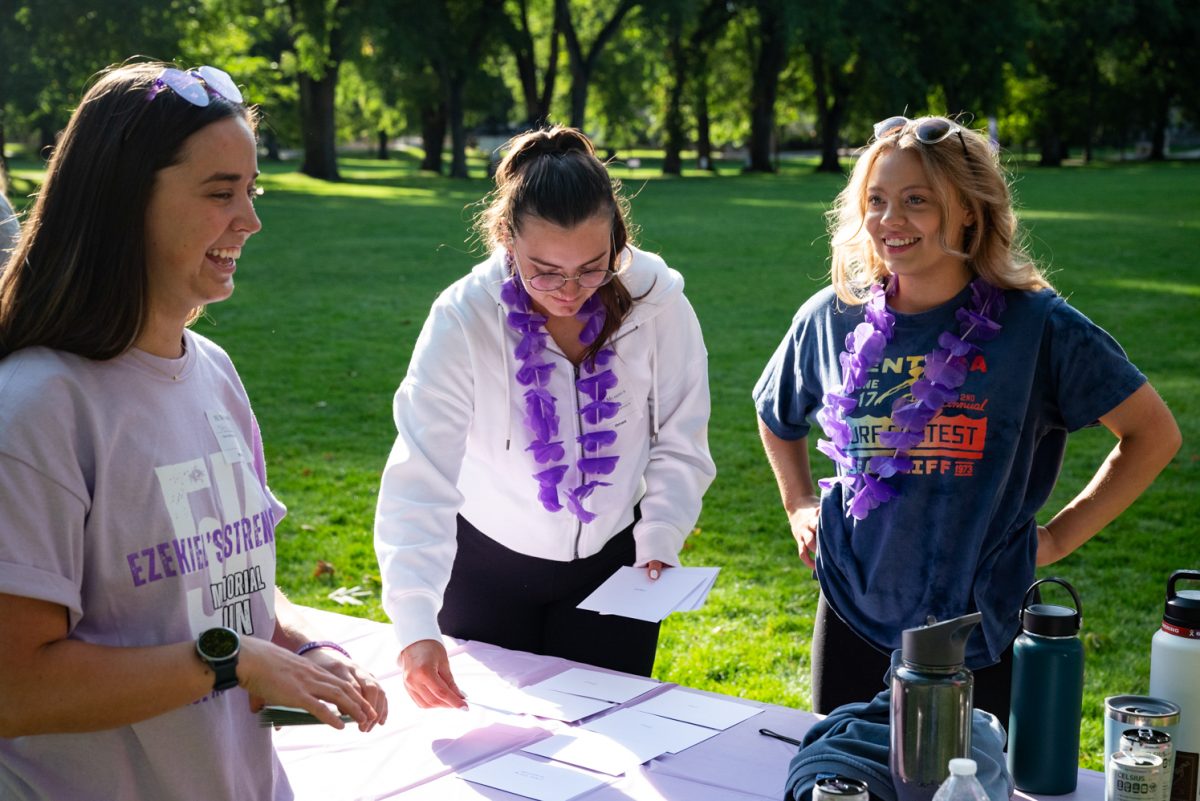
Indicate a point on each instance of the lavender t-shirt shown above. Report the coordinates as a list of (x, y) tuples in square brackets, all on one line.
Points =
[(134, 494)]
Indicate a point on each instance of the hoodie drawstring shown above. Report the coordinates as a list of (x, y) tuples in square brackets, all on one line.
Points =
[(507, 383), (654, 379)]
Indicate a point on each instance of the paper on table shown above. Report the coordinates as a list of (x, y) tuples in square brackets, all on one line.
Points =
[(543, 781), (589, 750), (703, 710), (648, 735), (631, 593), (598, 684), (539, 702)]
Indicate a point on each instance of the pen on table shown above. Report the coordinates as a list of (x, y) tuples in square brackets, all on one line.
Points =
[(779, 736)]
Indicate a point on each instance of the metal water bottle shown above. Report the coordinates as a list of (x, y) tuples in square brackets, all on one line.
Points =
[(1047, 695), (1175, 676), (932, 706)]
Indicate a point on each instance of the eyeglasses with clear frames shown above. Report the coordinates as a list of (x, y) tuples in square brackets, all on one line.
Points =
[(552, 282)]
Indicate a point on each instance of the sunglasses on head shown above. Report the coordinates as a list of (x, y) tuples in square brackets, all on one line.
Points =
[(926, 130), (195, 85)]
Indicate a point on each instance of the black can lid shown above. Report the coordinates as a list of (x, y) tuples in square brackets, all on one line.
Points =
[(1146, 736), (1183, 606), (1050, 620)]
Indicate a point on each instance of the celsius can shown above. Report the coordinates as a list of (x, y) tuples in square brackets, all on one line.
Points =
[(1133, 777), (1123, 712), (839, 788), (1158, 743)]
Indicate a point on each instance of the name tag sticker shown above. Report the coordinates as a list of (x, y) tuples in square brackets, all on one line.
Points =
[(227, 435)]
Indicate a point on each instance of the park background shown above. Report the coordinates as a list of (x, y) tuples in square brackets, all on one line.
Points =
[(730, 124)]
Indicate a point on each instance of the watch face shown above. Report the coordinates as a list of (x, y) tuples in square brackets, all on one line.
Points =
[(218, 643)]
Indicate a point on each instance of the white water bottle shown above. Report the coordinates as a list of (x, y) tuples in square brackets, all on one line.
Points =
[(961, 784), (1175, 676)]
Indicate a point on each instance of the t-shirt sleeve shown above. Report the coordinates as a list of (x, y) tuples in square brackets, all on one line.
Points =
[(41, 537), (782, 397), (1092, 375)]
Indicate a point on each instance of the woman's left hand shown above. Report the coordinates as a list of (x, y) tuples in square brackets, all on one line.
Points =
[(654, 569), (347, 669)]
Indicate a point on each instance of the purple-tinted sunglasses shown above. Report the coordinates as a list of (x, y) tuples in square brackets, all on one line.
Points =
[(195, 85)]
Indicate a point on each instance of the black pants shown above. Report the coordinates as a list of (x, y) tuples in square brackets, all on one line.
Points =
[(847, 668), (499, 596)]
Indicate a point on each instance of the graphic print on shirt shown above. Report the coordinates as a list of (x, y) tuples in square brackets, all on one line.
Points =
[(954, 440), (222, 543)]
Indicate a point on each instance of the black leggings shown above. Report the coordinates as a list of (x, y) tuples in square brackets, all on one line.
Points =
[(499, 596), (847, 668)]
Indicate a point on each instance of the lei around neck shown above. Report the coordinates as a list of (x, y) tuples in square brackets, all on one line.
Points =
[(945, 371), (541, 417)]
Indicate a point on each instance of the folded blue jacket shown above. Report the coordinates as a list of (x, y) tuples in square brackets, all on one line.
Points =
[(853, 741)]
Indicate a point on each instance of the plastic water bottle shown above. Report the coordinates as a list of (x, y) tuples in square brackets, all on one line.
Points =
[(1047, 695), (961, 784), (1175, 676)]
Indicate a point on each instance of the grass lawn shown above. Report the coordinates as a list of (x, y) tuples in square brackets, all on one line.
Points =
[(331, 296)]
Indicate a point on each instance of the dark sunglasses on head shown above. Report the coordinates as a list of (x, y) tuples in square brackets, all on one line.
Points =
[(926, 130)]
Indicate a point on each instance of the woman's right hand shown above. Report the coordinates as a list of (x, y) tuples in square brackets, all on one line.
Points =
[(803, 520), (427, 676), (275, 675)]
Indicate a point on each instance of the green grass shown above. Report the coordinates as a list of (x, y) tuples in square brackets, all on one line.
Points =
[(332, 294)]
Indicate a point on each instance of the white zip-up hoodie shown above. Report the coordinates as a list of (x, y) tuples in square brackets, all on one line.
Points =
[(461, 443)]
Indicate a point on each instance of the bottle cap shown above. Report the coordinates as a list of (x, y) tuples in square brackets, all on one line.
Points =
[(1183, 606), (961, 766), (1049, 620), (939, 646)]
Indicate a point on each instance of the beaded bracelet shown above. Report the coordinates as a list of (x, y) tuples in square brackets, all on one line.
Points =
[(309, 646)]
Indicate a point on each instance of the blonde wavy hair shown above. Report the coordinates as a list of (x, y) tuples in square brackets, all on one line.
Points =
[(962, 169)]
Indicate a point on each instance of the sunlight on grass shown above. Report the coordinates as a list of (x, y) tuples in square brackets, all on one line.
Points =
[(1188, 290)]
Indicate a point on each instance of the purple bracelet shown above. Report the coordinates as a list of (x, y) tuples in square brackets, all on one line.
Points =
[(309, 646)]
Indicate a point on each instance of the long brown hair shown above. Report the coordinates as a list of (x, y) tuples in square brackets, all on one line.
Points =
[(554, 175), (78, 280)]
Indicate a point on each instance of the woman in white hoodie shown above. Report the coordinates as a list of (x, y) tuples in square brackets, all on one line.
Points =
[(552, 427)]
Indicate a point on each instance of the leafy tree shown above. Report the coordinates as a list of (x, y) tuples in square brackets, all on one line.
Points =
[(583, 59), (777, 21)]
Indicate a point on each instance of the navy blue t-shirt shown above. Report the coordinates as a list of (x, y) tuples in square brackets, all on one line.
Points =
[(962, 535)]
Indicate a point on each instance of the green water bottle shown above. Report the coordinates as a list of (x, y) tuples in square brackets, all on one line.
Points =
[(1047, 695)]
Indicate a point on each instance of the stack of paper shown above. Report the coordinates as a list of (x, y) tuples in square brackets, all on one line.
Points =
[(528, 777), (631, 593)]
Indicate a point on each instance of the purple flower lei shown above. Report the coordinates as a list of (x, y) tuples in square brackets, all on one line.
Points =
[(541, 417), (945, 371)]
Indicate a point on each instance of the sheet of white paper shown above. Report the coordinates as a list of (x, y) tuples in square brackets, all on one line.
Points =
[(597, 684), (543, 781), (588, 750), (542, 703), (698, 596), (703, 710), (630, 593), (646, 735)]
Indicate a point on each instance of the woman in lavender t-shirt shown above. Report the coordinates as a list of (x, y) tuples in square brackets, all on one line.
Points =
[(140, 625)]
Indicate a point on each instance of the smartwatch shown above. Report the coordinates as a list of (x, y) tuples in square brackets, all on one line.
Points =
[(218, 648)]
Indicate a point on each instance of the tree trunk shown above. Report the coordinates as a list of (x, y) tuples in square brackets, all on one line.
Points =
[(317, 125), (433, 136), (382, 152), (458, 132), (673, 121), (704, 149), (1158, 135), (1052, 148), (537, 99), (772, 56)]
